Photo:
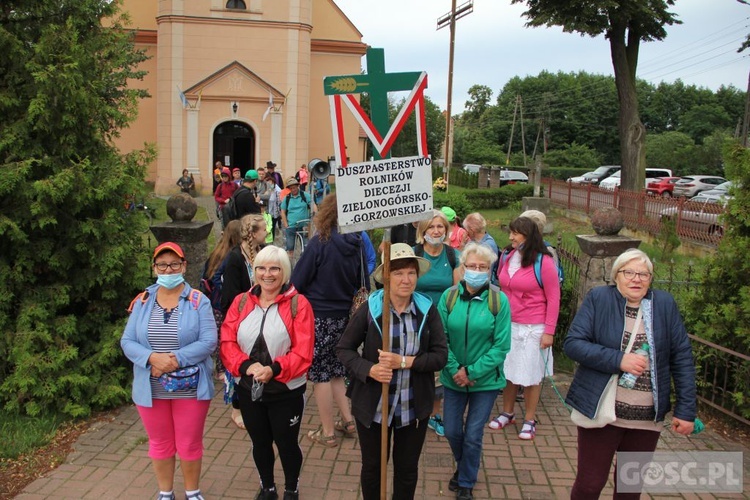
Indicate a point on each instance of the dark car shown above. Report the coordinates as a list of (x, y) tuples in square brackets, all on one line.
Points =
[(600, 174), (662, 186)]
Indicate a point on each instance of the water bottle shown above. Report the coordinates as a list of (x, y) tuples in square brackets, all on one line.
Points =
[(627, 380)]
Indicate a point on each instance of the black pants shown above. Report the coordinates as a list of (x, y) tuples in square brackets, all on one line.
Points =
[(275, 422), (407, 446)]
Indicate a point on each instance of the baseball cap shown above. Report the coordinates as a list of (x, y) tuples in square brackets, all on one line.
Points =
[(169, 246), (449, 213), (251, 175)]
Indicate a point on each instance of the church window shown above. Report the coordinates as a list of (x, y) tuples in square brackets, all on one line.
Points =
[(236, 4)]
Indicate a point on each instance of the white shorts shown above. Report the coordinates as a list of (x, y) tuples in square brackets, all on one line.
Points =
[(525, 363)]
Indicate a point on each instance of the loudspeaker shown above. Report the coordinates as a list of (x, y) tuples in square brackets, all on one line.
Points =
[(320, 169)]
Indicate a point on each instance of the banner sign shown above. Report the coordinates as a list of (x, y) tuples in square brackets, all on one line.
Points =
[(383, 193)]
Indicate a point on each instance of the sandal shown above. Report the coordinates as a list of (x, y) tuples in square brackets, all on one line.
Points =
[(348, 428), (528, 431), (318, 437), (502, 420), (237, 419)]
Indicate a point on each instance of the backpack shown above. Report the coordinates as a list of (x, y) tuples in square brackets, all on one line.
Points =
[(493, 299), (229, 211), (243, 301), (537, 264), (450, 253), (285, 201), (194, 298), (210, 289)]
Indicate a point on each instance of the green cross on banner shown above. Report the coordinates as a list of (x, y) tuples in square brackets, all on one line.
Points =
[(377, 83)]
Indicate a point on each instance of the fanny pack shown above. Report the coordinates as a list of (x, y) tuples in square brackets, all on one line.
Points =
[(180, 380)]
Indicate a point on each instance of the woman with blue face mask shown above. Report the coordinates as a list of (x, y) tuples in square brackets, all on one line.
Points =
[(169, 337), (476, 318)]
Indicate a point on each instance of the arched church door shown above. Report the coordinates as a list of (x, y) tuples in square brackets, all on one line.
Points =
[(235, 142)]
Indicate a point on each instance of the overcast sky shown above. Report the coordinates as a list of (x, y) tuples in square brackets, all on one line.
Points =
[(492, 45)]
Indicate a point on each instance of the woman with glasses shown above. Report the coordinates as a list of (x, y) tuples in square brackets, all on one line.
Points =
[(476, 317), (329, 273), (611, 319), (170, 336), (267, 345), (444, 272), (528, 276)]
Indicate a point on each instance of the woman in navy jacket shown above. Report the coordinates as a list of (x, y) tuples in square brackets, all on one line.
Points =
[(597, 339)]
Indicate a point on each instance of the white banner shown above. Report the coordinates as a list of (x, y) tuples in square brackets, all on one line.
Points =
[(383, 193)]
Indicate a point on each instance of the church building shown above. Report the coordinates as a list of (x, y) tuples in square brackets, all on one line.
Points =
[(240, 82)]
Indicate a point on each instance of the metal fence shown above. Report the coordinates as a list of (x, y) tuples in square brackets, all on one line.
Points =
[(693, 221)]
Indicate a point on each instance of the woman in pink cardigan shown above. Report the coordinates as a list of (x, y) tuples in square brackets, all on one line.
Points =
[(528, 276)]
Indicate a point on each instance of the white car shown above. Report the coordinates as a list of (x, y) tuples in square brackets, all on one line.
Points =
[(472, 168), (613, 181), (691, 185), (699, 214)]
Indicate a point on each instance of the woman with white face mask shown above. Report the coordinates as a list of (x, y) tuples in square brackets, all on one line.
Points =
[(169, 337), (445, 271)]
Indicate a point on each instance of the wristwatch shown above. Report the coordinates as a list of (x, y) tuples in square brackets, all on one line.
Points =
[(403, 362)]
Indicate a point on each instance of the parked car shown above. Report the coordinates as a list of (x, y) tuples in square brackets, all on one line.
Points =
[(579, 178), (691, 185), (718, 193), (600, 174), (662, 186), (472, 168), (613, 181), (512, 177), (698, 214)]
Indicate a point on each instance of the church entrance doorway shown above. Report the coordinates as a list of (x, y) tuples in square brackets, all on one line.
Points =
[(234, 145)]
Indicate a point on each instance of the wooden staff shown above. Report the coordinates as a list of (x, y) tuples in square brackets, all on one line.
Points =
[(386, 348)]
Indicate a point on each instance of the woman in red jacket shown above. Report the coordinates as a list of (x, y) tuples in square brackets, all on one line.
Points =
[(224, 190), (267, 345)]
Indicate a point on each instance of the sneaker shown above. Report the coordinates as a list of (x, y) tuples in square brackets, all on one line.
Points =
[(267, 494), (528, 431), (291, 495), (436, 424), (502, 420), (465, 494), (194, 496), (163, 496), (453, 483)]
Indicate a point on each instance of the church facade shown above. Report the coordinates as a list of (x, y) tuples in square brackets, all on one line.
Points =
[(240, 82)]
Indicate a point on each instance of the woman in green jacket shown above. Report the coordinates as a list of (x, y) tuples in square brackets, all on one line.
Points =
[(476, 318)]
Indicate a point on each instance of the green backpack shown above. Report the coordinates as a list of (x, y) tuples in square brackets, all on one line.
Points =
[(493, 299)]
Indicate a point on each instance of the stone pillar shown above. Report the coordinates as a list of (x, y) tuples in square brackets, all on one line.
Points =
[(192, 236), (495, 177), (601, 249), (484, 176), (533, 203)]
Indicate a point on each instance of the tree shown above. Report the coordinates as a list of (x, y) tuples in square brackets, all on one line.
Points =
[(406, 142), (480, 96), (70, 259), (672, 150), (574, 155), (624, 23)]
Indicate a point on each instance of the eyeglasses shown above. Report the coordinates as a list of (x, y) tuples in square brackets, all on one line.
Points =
[(629, 275), (269, 270), (162, 266), (477, 267)]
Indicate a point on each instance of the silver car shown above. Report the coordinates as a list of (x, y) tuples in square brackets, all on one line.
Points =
[(698, 215), (690, 185)]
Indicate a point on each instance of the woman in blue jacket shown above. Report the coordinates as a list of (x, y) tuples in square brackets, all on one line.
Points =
[(597, 339), (169, 337)]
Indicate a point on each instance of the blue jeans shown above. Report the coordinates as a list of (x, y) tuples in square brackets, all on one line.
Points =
[(291, 233), (465, 438)]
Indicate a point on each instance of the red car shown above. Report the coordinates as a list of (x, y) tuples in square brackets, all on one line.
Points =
[(663, 186)]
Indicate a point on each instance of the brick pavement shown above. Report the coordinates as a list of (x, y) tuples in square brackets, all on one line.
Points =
[(111, 461)]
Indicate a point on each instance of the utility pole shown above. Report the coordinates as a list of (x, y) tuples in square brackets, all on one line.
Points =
[(449, 19), (746, 121)]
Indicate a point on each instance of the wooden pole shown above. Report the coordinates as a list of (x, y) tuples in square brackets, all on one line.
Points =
[(386, 347), (448, 133)]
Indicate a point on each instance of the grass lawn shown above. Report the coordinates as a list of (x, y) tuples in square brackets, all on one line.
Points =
[(22, 434)]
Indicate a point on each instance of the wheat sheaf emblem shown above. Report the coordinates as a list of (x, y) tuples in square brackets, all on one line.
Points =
[(348, 84)]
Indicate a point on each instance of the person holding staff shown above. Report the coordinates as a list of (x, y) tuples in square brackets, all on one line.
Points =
[(417, 350)]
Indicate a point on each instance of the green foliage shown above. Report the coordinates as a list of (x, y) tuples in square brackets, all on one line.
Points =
[(668, 240), (481, 199), (720, 312), (456, 200), (573, 155), (406, 142), (70, 260), (23, 434), (564, 173)]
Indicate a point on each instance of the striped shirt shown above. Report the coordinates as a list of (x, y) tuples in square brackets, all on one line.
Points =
[(162, 336)]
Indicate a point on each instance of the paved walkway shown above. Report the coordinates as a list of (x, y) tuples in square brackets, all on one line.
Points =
[(110, 460)]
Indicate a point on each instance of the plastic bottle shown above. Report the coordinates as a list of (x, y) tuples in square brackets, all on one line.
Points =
[(627, 380)]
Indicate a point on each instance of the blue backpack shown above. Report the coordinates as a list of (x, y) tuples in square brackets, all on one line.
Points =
[(537, 265)]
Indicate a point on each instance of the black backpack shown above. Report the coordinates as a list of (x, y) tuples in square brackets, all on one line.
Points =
[(229, 212)]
